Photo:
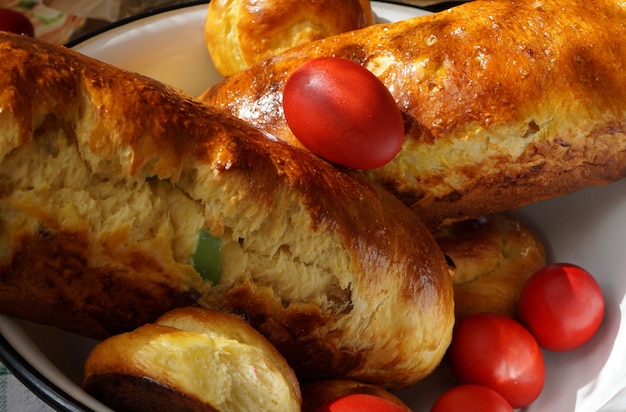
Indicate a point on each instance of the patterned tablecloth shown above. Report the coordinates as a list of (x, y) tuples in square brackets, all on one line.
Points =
[(15, 397)]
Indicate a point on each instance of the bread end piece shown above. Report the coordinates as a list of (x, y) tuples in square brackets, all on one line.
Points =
[(494, 257), (192, 359), (317, 393)]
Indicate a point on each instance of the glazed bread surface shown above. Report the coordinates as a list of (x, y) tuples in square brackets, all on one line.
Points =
[(317, 393), (240, 33), (504, 102), (109, 178), (494, 256), (194, 359)]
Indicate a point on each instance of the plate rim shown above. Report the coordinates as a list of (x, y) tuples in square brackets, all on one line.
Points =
[(126, 20), (35, 381)]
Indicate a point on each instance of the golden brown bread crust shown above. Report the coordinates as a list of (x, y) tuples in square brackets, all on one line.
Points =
[(317, 393), (191, 359), (51, 281), (134, 393), (338, 274), (494, 256), (505, 102), (240, 33)]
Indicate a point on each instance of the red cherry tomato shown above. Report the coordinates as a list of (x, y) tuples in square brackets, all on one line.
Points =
[(562, 306), (341, 112), (494, 350), (15, 22), (471, 398), (360, 402)]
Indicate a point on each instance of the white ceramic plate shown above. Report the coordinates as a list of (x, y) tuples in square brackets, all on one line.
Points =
[(587, 228)]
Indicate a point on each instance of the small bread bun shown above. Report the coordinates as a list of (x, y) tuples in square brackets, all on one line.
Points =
[(317, 393), (239, 33), (494, 256), (191, 359)]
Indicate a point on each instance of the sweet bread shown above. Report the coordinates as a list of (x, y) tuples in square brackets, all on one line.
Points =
[(240, 33), (317, 393), (116, 190), (110, 181), (494, 256), (505, 102), (191, 359)]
